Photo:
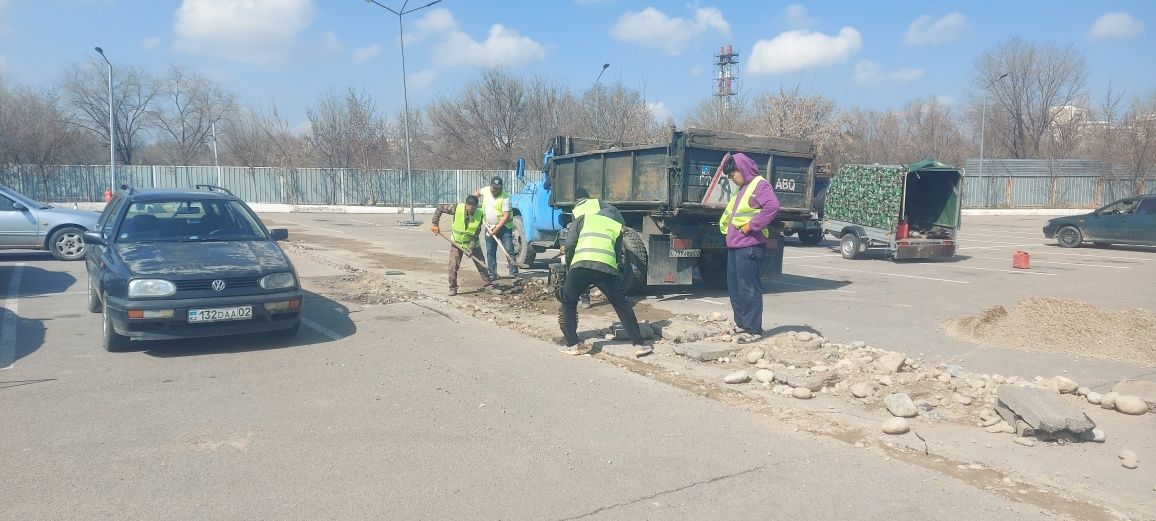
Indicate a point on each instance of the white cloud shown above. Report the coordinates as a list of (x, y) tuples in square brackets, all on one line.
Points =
[(436, 22), (796, 15), (1115, 25), (927, 30), (868, 72), (330, 43), (502, 46), (150, 43), (365, 54), (795, 50), (659, 111), (696, 71), (945, 100), (421, 79), (653, 28), (252, 31)]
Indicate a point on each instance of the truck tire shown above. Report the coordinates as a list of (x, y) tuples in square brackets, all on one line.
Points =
[(849, 245), (712, 267), (524, 251), (633, 264), (810, 237)]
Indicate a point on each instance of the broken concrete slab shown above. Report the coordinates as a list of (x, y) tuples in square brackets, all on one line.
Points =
[(684, 331), (814, 383), (1043, 410), (707, 351), (891, 361), (1143, 389)]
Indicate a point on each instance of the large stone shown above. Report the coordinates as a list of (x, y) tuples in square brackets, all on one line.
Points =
[(1041, 409), (802, 393), (706, 351), (684, 331), (861, 390), (896, 426), (737, 377), (891, 361), (900, 404), (1108, 401), (1131, 405), (764, 376), (1145, 390), (813, 382), (1065, 385), (754, 355)]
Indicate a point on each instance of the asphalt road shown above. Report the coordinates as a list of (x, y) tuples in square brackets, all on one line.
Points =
[(398, 412)]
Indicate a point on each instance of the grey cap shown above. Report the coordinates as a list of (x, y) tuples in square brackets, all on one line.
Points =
[(496, 181)]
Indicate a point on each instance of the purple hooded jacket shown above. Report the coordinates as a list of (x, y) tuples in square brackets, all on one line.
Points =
[(764, 198)]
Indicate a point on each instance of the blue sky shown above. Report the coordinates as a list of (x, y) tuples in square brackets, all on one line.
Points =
[(870, 54)]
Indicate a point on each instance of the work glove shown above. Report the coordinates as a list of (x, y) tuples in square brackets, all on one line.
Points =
[(746, 229), (436, 229)]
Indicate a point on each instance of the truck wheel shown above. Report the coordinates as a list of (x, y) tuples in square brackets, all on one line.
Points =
[(849, 245), (633, 265), (810, 237), (712, 267), (525, 253)]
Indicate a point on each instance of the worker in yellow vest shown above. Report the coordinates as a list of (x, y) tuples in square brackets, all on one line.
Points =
[(467, 223), (499, 226), (584, 204), (593, 247), (744, 222)]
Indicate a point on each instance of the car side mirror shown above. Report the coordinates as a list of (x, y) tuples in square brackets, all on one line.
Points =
[(279, 234), (16, 205), (94, 238)]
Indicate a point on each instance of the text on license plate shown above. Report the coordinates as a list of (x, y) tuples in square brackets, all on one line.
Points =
[(220, 314)]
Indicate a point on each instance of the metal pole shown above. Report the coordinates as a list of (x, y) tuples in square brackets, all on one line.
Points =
[(220, 180), (405, 97), (982, 128), (111, 127)]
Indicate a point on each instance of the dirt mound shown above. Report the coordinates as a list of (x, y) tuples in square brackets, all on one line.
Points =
[(1064, 326), (365, 288)]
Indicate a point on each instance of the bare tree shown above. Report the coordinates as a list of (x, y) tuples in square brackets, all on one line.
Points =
[(37, 133), (85, 89), (481, 125), (346, 131), (715, 113), (1139, 147), (790, 113), (616, 114), (1041, 78), (187, 106), (549, 107), (930, 131)]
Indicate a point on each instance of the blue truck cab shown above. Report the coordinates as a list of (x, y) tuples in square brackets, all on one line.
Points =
[(537, 224)]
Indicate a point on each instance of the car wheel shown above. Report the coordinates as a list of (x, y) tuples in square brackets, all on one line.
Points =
[(1069, 237), (810, 237), (849, 245), (94, 304), (113, 341), (67, 244)]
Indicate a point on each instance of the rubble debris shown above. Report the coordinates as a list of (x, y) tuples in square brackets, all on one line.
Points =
[(1131, 405), (764, 376), (1026, 442), (1129, 459), (705, 352), (1144, 389), (1064, 385), (1095, 435), (754, 355), (861, 390), (1094, 398), (802, 393), (896, 425), (1002, 427), (737, 377), (891, 361), (1040, 409), (900, 404), (1109, 400)]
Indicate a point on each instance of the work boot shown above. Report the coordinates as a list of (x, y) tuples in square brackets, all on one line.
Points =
[(642, 350), (576, 350), (584, 301), (453, 291)]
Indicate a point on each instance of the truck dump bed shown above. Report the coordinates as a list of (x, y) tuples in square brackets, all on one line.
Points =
[(678, 176)]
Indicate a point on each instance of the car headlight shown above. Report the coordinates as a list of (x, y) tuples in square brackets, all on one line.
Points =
[(150, 288), (278, 281)]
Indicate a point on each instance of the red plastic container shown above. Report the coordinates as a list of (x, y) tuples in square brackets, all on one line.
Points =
[(901, 230), (1021, 260)]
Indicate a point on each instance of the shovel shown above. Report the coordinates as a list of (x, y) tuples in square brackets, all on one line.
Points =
[(463, 250)]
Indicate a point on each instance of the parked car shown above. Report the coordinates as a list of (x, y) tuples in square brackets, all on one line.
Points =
[(1128, 221), (28, 224), (177, 263)]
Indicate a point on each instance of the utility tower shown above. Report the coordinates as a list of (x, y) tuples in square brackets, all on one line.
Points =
[(725, 63)]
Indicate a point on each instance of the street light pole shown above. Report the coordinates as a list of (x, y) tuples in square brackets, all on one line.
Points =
[(982, 129), (604, 67), (405, 97), (111, 128), (220, 181)]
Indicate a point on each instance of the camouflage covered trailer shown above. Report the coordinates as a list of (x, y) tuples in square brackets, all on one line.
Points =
[(911, 211), (673, 194)]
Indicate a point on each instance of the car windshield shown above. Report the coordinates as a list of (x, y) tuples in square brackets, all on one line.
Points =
[(188, 220), (1122, 206), (24, 199)]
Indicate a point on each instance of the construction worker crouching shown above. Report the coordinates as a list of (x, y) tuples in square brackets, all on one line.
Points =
[(593, 247), (467, 223), (582, 206)]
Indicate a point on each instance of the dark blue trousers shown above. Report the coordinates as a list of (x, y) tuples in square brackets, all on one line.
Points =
[(745, 286)]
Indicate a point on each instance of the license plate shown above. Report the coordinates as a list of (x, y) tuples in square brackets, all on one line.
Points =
[(221, 314)]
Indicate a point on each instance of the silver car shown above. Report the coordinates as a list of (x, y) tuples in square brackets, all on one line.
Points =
[(32, 225)]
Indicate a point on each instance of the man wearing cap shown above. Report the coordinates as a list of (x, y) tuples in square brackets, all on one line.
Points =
[(467, 221), (498, 226), (744, 223)]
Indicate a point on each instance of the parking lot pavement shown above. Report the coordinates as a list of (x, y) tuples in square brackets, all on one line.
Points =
[(894, 305)]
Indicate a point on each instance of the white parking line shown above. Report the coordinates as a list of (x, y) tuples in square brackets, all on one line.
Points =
[(320, 329), (811, 256), (1014, 272), (364, 222), (884, 274), (12, 304), (1063, 263)]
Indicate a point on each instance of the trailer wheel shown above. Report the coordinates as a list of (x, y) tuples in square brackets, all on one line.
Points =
[(524, 252), (712, 267), (633, 264), (849, 245)]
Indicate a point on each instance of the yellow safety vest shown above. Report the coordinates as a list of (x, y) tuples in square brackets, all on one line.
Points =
[(496, 201), (596, 242), (745, 211), (464, 234), (586, 207)]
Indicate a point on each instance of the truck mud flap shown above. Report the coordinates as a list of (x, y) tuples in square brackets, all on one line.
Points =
[(669, 267)]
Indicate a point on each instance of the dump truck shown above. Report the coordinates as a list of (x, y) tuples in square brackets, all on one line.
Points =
[(671, 195), (908, 211)]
